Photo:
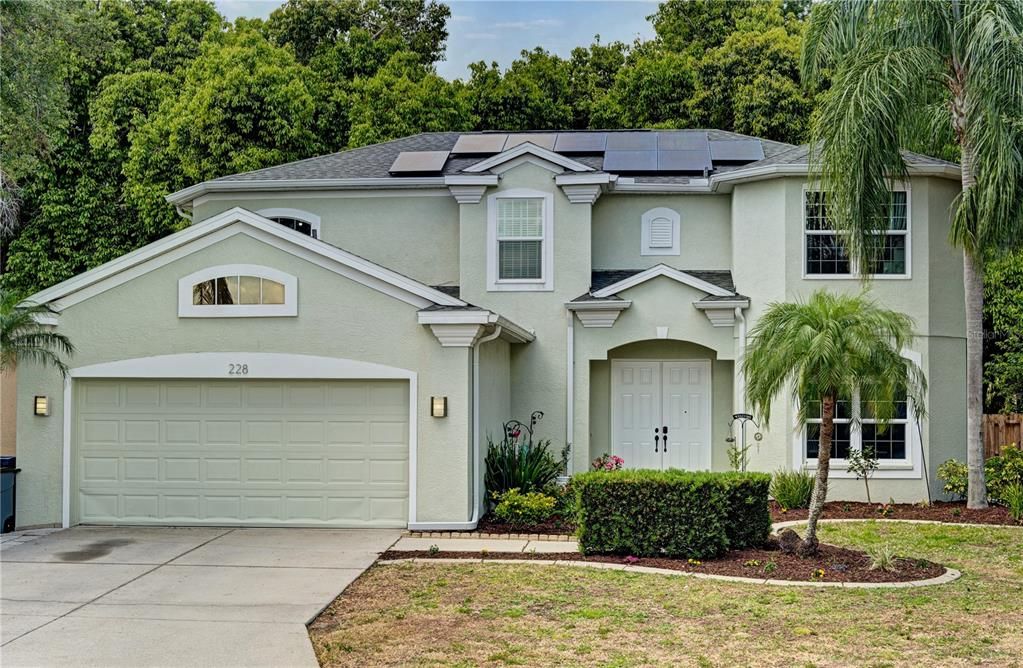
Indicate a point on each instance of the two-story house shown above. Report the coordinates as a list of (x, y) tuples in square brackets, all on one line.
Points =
[(332, 341)]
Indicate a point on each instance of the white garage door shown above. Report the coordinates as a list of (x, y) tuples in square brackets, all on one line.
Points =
[(242, 452)]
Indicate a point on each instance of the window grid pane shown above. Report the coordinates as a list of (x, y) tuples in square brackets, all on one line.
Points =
[(520, 260), (826, 254), (237, 290), (841, 440), (891, 444), (273, 292), (294, 224), (518, 218)]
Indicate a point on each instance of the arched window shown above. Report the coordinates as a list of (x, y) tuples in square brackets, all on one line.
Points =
[(237, 290), (294, 219)]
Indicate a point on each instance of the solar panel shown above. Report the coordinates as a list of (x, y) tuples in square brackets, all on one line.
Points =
[(681, 140), (543, 140), (736, 150), (581, 142), (631, 141), (630, 161), (419, 162), (483, 144), (691, 160)]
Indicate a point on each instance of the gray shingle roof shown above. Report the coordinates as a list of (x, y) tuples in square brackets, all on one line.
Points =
[(800, 155), (375, 160), (601, 279)]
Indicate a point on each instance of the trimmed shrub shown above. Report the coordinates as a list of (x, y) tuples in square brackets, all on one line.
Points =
[(514, 507), (670, 513), (748, 523), (792, 489)]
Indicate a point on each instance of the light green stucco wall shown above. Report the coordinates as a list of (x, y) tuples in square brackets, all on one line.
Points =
[(337, 318), (704, 237), (412, 233)]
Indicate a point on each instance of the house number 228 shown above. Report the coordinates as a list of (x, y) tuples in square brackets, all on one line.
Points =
[(237, 369)]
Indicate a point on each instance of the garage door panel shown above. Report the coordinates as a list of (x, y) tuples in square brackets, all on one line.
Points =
[(243, 452)]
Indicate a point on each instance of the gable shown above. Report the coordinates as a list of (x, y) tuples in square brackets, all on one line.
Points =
[(226, 225)]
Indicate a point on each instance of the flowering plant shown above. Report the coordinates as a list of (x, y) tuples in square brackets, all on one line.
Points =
[(607, 462)]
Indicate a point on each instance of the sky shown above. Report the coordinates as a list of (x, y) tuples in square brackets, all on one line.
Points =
[(497, 30)]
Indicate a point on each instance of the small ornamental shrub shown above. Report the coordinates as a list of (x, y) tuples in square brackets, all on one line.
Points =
[(672, 513), (513, 464), (1012, 496), (862, 464), (607, 462), (954, 475), (792, 489), (882, 557), (1003, 472), (521, 509)]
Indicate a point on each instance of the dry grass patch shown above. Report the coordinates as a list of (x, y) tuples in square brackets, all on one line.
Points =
[(497, 615)]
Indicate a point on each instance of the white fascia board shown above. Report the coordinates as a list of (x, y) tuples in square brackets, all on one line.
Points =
[(661, 270), (216, 223), (509, 330), (595, 178), (599, 305), (186, 195), (720, 304), (533, 149), (628, 185), (471, 180), (803, 169)]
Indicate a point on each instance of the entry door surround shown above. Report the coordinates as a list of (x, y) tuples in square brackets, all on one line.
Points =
[(649, 395)]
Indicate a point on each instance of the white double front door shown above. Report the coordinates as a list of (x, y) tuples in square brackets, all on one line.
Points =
[(660, 413)]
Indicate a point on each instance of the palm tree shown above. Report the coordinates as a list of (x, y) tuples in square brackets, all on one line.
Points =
[(831, 348), (944, 69), (22, 338)]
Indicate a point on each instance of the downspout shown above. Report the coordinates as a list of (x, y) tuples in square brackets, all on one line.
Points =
[(569, 390), (181, 212), (740, 402), (477, 492)]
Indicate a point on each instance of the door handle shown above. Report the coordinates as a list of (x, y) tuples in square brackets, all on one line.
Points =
[(665, 431), (656, 440)]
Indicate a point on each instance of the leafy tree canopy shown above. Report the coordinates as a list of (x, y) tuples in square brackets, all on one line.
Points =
[(1003, 308)]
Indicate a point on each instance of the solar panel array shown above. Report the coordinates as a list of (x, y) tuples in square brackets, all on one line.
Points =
[(667, 151)]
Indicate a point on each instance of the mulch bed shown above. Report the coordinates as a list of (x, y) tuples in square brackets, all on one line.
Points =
[(839, 564), (941, 511)]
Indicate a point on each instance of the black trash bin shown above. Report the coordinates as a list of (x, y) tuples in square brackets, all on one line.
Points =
[(8, 486)]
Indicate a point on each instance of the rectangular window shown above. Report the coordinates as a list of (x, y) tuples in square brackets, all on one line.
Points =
[(826, 252), (520, 239), (889, 445)]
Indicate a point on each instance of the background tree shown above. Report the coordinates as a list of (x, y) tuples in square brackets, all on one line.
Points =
[(961, 65), (1003, 345), (23, 339), (828, 349)]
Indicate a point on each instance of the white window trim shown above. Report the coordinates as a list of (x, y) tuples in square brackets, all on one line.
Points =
[(676, 228), (546, 282), (906, 469), (186, 309), (854, 270), (298, 214)]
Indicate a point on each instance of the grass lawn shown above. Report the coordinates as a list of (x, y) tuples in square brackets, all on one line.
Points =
[(493, 614)]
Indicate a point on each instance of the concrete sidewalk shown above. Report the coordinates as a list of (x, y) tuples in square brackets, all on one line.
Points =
[(95, 596)]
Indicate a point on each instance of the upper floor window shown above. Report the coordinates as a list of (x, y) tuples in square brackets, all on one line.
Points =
[(827, 253), (660, 229), (237, 290), (294, 219), (520, 240)]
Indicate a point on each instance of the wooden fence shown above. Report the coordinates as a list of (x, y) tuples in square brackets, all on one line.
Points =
[(1000, 430)]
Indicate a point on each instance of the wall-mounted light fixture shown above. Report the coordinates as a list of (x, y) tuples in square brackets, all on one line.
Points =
[(42, 405), (439, 406)]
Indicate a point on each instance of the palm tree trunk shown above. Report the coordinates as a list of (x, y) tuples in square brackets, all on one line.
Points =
[(973, 282), (820, 485), (973, 279)]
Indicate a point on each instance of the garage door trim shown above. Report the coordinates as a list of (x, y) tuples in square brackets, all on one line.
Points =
[(257, 366)]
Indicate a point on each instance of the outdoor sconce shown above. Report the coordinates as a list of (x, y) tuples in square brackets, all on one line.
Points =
[(42, 405), (439, 406)]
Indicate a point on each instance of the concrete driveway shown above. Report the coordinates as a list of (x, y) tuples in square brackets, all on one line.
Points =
[(137, 596)]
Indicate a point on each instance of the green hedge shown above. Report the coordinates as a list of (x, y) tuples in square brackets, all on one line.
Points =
[(671, 513)]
